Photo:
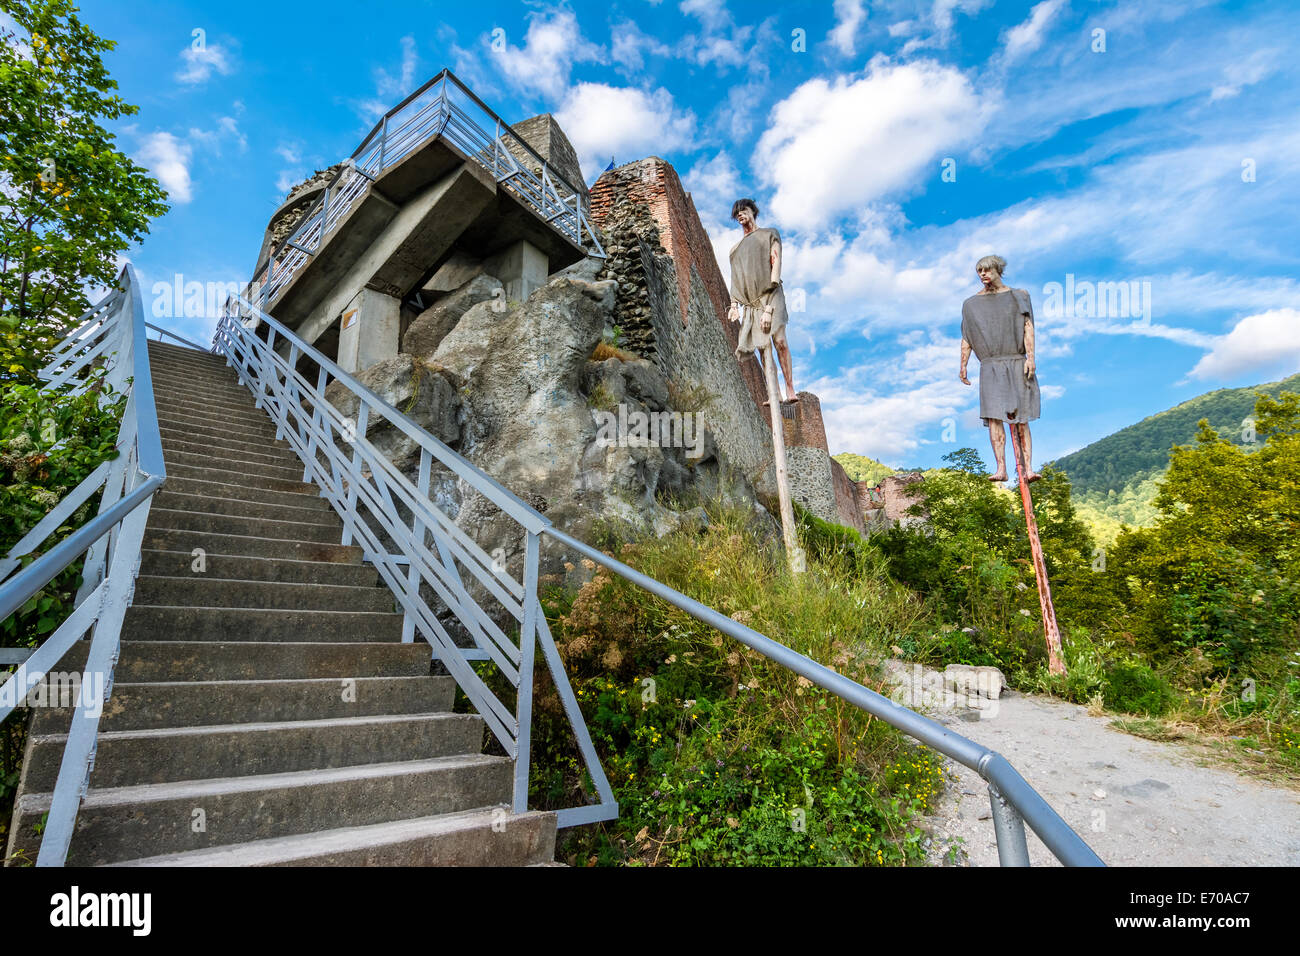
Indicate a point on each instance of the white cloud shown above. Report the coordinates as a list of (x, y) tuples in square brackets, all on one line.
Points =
[(289, 152), (629, 43), (1028, 36), (1267, 344), (833, 145), (168, 158), (552, 45), (713, 14), (939, 23), (199, 64), (627, 123), (288, 178), (397, 86), (1246, 72), (849, 16), (390, 87), (226, 131)]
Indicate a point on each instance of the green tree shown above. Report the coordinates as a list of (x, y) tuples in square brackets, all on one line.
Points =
[(69, 200)]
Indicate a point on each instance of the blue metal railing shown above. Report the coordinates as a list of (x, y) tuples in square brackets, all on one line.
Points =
[(112, 334)]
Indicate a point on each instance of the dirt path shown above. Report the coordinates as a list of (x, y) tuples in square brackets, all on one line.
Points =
[(1136, 802)]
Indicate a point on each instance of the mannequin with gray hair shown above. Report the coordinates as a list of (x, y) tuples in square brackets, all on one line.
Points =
[(997, 324)]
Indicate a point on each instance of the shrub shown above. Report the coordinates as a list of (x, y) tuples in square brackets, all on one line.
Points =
[(1135, 688)]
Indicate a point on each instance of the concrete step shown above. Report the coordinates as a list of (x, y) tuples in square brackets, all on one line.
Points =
[(183, 466), (243, 568), (205, 376), (491, 836), (216, 371), (257, 429), (162, 704), (127, 823), (242, 508), (245, 413), (234, 395), (204, 591), (215, 406), (161, 350), (328, 529), (196, 377), (223, 443), (230, 453), (185, 539), (258, 624), (309, 499), (204, 461), (144, 662), (129, 758)]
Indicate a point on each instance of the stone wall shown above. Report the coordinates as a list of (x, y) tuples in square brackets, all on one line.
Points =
[(812, 483), (846, 497), (649, 191), (669, 283), (695, 356)]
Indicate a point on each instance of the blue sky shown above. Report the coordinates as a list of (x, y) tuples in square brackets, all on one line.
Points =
[(1155, 144)]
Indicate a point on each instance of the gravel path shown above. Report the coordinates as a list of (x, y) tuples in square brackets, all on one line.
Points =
[(1136, 802)]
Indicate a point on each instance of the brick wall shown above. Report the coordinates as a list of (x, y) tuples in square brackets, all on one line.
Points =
[(806, 429)]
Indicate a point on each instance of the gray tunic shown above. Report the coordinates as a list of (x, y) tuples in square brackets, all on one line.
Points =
[(751, 286), (994, 325)]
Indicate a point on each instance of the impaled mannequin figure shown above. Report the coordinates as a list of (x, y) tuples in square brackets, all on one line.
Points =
[(997, 323), (757, 298)]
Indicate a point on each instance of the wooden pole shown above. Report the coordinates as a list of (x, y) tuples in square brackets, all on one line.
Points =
[(1056, 660), (794, 554)]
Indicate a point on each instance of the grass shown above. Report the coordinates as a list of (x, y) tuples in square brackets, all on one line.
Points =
[(716, 755)]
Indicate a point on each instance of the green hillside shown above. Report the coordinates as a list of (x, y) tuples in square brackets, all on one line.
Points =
[(1115, 477), (862, 468)]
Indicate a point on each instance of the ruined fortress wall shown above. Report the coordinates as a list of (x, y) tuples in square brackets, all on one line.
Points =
[(672, 304)]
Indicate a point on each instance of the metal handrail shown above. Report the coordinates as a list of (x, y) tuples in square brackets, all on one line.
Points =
[(113, 332), (1013, 800), (357, 479), (486, 139), (1012, 796)]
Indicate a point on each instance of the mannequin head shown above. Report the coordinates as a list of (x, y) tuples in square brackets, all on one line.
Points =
[(745, 212)]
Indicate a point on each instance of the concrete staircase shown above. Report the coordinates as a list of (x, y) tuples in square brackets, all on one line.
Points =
[(265, 710)]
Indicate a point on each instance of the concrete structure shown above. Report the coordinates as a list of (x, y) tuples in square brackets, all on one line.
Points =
[(361, 282)]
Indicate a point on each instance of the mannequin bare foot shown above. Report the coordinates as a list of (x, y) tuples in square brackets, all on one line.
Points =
[(1000, 476), (1033, 476)]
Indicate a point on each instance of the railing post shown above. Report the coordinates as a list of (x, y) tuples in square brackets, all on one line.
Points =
[(317, 424), (383, 144), (363, 420), (417, 534), (524, 698), (1009, 827)]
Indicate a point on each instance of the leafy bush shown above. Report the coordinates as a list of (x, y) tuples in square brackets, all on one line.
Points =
[(1135, 688), (716, 755)]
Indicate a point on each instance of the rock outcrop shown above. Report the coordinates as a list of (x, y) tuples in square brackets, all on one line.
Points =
[(585, 439)]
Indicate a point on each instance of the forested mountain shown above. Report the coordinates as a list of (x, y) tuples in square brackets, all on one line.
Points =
[(862, 468), (1114, 475)]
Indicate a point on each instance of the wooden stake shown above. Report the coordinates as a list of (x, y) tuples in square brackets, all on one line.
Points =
[(1056, 660), (794, 554)]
